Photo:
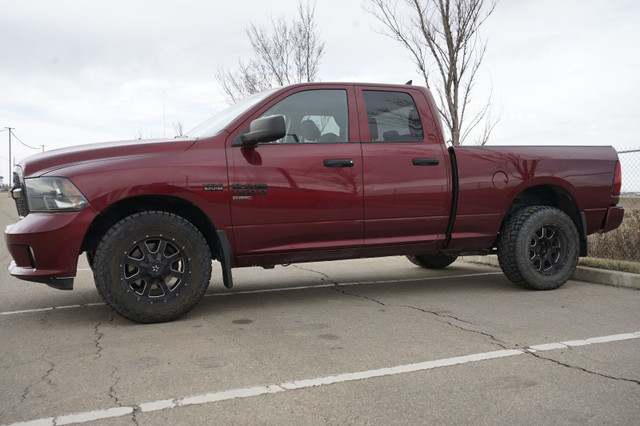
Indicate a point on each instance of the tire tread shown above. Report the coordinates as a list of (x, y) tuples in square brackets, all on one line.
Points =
[(104, 281), (512, 231)]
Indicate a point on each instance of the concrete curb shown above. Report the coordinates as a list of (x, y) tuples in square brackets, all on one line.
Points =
[(583, 273)]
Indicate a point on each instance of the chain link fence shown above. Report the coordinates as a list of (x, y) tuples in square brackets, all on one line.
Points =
[(623, 243), (630, 162)]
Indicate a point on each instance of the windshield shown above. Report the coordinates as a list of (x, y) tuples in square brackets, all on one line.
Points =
[(219, 121)]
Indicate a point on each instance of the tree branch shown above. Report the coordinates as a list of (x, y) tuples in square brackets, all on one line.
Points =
[(446, 32)]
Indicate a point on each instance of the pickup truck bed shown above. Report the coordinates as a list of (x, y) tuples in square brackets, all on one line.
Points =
[(576, 178)]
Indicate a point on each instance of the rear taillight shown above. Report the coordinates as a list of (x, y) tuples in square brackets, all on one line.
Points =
[(617, 180)]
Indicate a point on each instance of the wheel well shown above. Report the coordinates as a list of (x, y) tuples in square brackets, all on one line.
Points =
[(553, 196), (123, 208)]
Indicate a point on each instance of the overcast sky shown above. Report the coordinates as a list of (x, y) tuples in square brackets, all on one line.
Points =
[(73, 71)]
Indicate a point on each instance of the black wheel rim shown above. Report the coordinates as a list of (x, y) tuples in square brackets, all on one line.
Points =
[(547, 250), (155, 268)]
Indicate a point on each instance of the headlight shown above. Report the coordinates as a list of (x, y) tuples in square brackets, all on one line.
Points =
[(52, 194)]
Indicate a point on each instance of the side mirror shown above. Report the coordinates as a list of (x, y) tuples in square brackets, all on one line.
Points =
[(265, 129)]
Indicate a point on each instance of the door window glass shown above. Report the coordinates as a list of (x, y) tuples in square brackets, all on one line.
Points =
[(313, 116), (392, 117)]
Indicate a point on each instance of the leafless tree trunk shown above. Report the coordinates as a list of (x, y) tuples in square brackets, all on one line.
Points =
[(289, 54), (177, 128), (444, 32)]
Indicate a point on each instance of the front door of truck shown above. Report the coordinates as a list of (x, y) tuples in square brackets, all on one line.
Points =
[(407, 196), (303, 192)]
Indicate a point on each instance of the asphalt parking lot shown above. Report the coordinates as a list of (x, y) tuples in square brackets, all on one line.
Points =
[(373, 341)]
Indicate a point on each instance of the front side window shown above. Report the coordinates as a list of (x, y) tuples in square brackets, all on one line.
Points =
[(392, 117), (313, 116)]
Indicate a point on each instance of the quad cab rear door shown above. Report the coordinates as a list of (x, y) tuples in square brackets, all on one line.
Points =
[(407, 188)]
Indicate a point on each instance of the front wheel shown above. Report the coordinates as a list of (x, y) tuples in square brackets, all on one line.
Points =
[(152, 267), (538, 248)]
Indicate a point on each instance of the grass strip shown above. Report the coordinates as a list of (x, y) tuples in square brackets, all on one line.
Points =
[(610, 264)]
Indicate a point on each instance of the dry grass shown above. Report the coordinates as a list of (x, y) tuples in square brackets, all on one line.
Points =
[(620, 244), (612, 265)]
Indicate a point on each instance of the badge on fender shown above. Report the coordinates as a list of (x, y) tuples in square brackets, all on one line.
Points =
[(246, 191)]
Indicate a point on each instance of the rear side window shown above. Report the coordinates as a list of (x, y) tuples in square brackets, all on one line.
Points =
[(392, 117)]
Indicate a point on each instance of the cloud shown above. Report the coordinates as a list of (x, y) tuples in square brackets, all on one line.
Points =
[(565, 72), (77, 71)]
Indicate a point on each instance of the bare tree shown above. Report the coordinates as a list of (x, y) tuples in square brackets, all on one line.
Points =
[(289, 54), (177, 128), (444, 32)]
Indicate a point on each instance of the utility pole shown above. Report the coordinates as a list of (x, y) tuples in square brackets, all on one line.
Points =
[(164, 117), (10, 177)]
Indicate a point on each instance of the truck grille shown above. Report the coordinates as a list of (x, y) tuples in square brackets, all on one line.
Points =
[(21, 203)]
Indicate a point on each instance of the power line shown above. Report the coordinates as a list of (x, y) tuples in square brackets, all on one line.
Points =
[(11, 133), (14, 135)]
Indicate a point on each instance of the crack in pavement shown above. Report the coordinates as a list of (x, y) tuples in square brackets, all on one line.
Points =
[(98, 337), (575, 367), (25, 393), (112, 389), (324, 276), (346, 377), (443, 318), (346, 293), (440, 317), (47, 375), (134, 415), (44, 378), (337, 287)]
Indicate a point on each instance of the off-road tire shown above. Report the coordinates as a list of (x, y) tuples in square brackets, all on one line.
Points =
[(152, 267), (432, 261), (538, 248)]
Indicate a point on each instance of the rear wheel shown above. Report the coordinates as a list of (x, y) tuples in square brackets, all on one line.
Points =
[(433, 261), (538, 248), (152, 267)]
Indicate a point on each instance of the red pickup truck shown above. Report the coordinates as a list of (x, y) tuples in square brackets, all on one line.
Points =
[(309, 172)]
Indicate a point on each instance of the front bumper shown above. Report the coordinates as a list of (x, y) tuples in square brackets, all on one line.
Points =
[(45, 246)]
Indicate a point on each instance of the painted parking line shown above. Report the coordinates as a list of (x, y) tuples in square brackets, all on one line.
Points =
[(52, 308), (214, 397), (268, 290)]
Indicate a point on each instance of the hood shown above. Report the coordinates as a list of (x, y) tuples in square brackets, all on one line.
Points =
[(49, 161)]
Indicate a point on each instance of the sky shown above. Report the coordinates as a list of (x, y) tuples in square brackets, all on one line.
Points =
[(562, 72)]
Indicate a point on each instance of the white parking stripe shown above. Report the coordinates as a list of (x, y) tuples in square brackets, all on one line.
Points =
[(27, 311), (546, 347), (399, 369), (270, 290), (603, 339), (53, 308), (93, 415), (213, 397)]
